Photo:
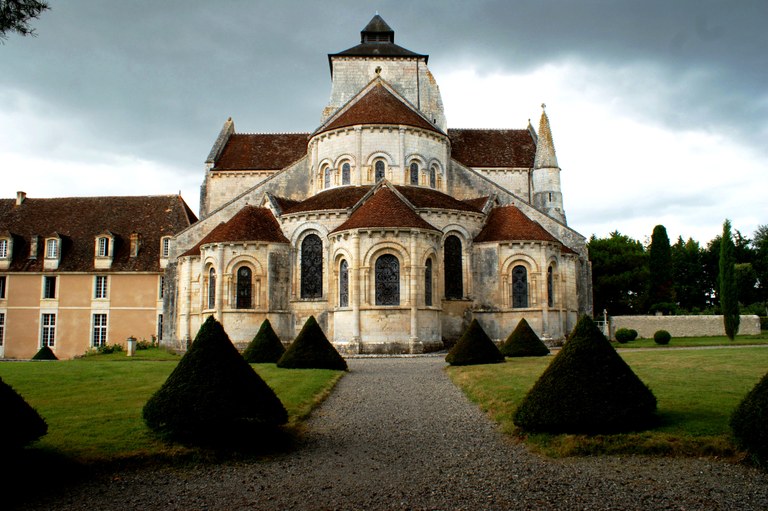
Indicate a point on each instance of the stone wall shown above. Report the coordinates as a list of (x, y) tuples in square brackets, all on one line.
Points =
[(682, 326)]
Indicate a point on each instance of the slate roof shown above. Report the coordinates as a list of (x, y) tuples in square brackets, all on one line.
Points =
[(79, 220), (249, 224), (493, 148), (384, 209), (379, 106), (377, 39), (261, 151), (508, 223)]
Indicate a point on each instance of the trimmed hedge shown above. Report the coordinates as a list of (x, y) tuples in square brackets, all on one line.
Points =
[(265, 346), (21, 424), (523, 342), (662, 337), (624, 335), (588, 388), (474, 347), (749, 421), (312, 350), (45, 353), (213, 397)]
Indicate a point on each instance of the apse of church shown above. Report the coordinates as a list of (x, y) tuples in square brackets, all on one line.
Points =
[(392, 229)]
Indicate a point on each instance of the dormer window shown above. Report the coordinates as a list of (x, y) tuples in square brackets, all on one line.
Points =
[(52, 249), (165, 247), (4, 251), (104, 249)]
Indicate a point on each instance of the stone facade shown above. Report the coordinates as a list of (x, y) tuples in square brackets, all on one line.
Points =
[(391, 229)]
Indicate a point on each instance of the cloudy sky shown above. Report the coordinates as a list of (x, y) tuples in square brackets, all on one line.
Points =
[(659, 108)]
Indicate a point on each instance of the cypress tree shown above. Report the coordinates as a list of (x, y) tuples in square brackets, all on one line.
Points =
[(265, 346), (748, 422), (312, 350), (661, 294), (474, 347), (729, 302), (523, 342)]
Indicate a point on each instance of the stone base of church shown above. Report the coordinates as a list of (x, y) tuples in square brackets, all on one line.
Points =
[(388, 347)]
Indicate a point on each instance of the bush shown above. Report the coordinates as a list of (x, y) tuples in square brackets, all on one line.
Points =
[(107, 349), (633, 334), (45, 353), (624, 335), (588, 388), (213, 397), (662, 337), (145, 344), (312, 350), (265, 346), (763, 323), (474, 347), (21, 424), (523, 342), (749, 420)]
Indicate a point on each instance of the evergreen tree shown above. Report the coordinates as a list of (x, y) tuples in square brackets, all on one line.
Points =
[(523, 342), (20, 424), (265, 346), (748, 422), (660, 285), (619, 274), (729, 302), (474, 347), (15, 16), (45, 353), (688, 275), (312, 350)]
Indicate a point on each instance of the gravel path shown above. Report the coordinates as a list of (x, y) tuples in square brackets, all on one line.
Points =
[(397, 434)]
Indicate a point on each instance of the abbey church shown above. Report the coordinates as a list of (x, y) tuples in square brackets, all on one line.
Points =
[(391, 228)]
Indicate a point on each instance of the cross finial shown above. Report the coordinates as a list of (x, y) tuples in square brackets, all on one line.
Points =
[(543, 106)]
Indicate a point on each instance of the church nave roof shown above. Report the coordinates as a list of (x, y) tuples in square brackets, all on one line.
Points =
[(508, 223)]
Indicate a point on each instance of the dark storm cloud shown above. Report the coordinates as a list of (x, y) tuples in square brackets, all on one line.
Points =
[(159, 78)]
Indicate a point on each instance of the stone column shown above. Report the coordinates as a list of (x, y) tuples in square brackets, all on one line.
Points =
[(415, 344), (219, 295), (354, 269)]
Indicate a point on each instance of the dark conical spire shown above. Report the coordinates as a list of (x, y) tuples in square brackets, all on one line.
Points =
[(545, 147), (377, 31)]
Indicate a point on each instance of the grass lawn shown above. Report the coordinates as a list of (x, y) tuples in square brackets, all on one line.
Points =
[(93, 405), (697, 390), (678, 342)]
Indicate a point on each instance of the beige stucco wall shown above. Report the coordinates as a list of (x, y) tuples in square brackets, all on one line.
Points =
[(683, 326)]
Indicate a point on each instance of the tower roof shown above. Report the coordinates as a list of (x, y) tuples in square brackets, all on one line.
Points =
[(545, 148), (377, 30), (377, 39)]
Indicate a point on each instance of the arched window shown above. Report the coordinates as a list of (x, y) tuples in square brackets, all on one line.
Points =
[(312, 267), (414, 173), (519, 287), (550, 288), (345, 173), (379, 168), (327, 177), (343, 284), (211, 289), (452, 267), (387, 280), (244, 288), (428, 283), (432, 177)]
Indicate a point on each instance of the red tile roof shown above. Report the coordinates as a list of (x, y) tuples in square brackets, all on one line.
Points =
[(379, 106), (336, 198), (428, 198), (249, 224), (508, 223), (262, 151), (478, 203), (79, 220), (384, 209), (493, 148)]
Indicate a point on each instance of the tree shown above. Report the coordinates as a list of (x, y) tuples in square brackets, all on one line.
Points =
[(661, 292), (523, 342), (688, 275), (21, 423), (729, 302), (265, 346), (760, 263), (15, 16), (748, 422), (619, 274), (312, 350), (474, 347)]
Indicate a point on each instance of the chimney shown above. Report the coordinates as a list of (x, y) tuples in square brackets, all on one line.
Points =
[(135, 244), (20, 197)]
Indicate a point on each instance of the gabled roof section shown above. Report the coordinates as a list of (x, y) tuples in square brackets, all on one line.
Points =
[(384, 207), (508, 223), (343, 197), (79, 220), (493, 148), (249, 224), (261, 151), (377, 104), (422, 197)]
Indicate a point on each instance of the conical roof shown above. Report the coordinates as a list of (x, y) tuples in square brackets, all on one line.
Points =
[(377, 30), (545, 148)]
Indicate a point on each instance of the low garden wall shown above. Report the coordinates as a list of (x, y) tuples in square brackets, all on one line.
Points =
[(683, 326)]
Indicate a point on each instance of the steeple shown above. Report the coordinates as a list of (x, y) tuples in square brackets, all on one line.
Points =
[(377, 31), (545, 147)]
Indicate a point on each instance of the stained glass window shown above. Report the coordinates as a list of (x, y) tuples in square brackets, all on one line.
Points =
[(211, 289), (519, 287), (387, 280), (343, 284), (452, 264), (244, 288), (550, 288), (345, 173), (312, 267), (432, 177), (327, 177), (379, 167), (428, 283), (414, 173)]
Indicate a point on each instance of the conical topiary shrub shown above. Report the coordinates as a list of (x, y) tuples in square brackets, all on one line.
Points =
[(311, 350), (749, 422), (588, 388), (523, 342), (265, 346), (45, 353), (474, 347), (213, 397), (21, 424)]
